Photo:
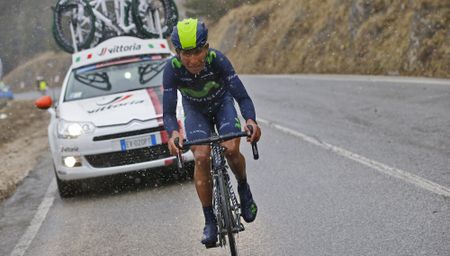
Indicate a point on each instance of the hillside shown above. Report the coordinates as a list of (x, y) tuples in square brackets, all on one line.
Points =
[(338, 36), (25, 30)]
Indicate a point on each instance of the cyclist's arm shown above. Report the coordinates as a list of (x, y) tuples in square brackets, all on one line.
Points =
[(235, 86), (237, 89), (170, 100)]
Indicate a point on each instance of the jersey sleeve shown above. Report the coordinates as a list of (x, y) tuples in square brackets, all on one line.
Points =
[(235, 86), (170, 99)]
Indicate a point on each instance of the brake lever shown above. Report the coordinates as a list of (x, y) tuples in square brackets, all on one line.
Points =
[(254, 146)]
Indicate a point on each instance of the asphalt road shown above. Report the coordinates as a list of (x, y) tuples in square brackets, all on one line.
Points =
[(348, 166)]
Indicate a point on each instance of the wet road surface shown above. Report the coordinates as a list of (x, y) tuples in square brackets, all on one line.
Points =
[(312, 200)]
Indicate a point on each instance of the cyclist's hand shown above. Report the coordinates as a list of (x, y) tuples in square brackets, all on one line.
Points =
[(174, 150), (256, 131)]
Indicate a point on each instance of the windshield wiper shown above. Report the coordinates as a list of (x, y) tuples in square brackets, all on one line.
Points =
[(97, 80), (152, 69)]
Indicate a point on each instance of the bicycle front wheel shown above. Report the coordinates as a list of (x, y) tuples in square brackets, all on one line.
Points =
[(73, 17), (227, 214)]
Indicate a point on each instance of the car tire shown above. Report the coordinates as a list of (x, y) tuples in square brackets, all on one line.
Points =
[(67, 189)]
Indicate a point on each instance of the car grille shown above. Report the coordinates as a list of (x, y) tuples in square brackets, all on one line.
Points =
[(132, 156), (128, 134)]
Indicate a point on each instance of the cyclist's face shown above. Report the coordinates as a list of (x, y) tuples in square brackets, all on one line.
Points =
[(194, 60)]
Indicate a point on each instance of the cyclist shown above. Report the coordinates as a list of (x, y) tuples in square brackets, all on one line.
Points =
[(208, 85)]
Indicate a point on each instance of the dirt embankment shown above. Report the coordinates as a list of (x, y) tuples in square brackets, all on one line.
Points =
[(23, 138), (381, 37)]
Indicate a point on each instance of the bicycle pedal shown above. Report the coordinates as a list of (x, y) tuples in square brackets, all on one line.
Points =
[(241, 228)]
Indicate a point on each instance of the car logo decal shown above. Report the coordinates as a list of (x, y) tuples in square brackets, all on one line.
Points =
[(103, 52), (116, 100)]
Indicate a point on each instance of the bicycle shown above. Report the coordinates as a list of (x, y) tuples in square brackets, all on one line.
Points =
[(82, 24), (225, 204)]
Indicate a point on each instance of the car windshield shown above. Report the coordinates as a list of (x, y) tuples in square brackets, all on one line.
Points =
[(114, 77)]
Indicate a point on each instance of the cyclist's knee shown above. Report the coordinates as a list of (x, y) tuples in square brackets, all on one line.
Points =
[(233, 150), (201, 155)]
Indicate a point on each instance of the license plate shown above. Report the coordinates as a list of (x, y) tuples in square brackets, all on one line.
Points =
[(141, 142)]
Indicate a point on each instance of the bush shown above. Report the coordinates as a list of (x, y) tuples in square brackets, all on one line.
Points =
[(212, 10)]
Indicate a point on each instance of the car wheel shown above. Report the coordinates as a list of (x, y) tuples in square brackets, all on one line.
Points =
[(67, 189)]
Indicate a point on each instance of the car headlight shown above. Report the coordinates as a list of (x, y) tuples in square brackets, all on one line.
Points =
[(70, 130)]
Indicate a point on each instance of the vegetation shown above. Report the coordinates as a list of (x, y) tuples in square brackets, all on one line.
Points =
[(213, 10)]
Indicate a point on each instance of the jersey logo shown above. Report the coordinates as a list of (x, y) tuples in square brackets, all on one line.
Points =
[(202, 93), (176, 63), (211, 56)]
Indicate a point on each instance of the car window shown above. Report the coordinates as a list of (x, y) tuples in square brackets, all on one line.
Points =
[(114, 77)]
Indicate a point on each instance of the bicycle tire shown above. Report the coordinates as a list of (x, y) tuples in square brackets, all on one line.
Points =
[(227, 214), (168, 19), (61, 29)]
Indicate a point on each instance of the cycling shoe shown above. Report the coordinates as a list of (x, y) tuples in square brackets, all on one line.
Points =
[(209, 234), (248, 205)]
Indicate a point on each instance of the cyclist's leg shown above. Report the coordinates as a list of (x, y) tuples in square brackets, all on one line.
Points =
[(197, 127), (228, 122)]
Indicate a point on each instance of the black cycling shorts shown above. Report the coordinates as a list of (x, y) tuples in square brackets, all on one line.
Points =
[(197, 123)]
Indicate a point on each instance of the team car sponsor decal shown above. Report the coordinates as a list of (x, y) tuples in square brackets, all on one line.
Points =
[(69, 149), (116, 100), (119, 48), (115, 103)]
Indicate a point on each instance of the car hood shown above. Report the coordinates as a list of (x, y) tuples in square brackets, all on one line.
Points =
[(121, 108)]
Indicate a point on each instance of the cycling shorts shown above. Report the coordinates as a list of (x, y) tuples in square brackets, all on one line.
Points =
[(197, 123)]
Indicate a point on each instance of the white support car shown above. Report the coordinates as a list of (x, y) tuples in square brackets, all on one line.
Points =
[(108, 118)]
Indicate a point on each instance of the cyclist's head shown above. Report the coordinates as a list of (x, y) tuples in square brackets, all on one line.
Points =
[(190, 41), (189, 34)]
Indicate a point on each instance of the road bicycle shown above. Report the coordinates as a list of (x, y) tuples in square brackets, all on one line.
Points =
[(225, 204), (82, 24)]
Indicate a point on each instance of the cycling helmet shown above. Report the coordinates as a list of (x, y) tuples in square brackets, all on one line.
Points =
[(189, 34)]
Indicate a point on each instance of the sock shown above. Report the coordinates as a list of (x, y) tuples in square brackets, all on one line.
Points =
[(209, 215), (242, 182)]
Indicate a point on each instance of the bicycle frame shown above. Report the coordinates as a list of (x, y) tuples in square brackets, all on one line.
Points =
[(119, 10), (218, 172)]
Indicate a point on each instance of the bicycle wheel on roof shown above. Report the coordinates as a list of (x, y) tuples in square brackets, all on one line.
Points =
[(79, 15), (154, 16)]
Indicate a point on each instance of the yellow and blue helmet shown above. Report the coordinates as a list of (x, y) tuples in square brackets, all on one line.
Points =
[(189, 34)]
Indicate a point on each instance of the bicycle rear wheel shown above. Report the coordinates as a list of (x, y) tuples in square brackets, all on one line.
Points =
[(77, 13), (227, 214), (144, 14)]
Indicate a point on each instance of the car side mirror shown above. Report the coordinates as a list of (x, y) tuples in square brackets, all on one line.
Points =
[(44, 102)]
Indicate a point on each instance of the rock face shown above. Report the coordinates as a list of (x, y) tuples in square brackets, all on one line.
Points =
[(382, 37)]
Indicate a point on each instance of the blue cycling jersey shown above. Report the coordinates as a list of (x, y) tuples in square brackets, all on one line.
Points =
[(204, 91)]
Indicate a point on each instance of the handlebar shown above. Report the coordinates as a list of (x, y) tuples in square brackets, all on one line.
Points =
[(214, 139)]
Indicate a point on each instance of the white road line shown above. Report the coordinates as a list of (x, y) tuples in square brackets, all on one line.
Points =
[(397, 173), (39, 217), (362, 78)]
